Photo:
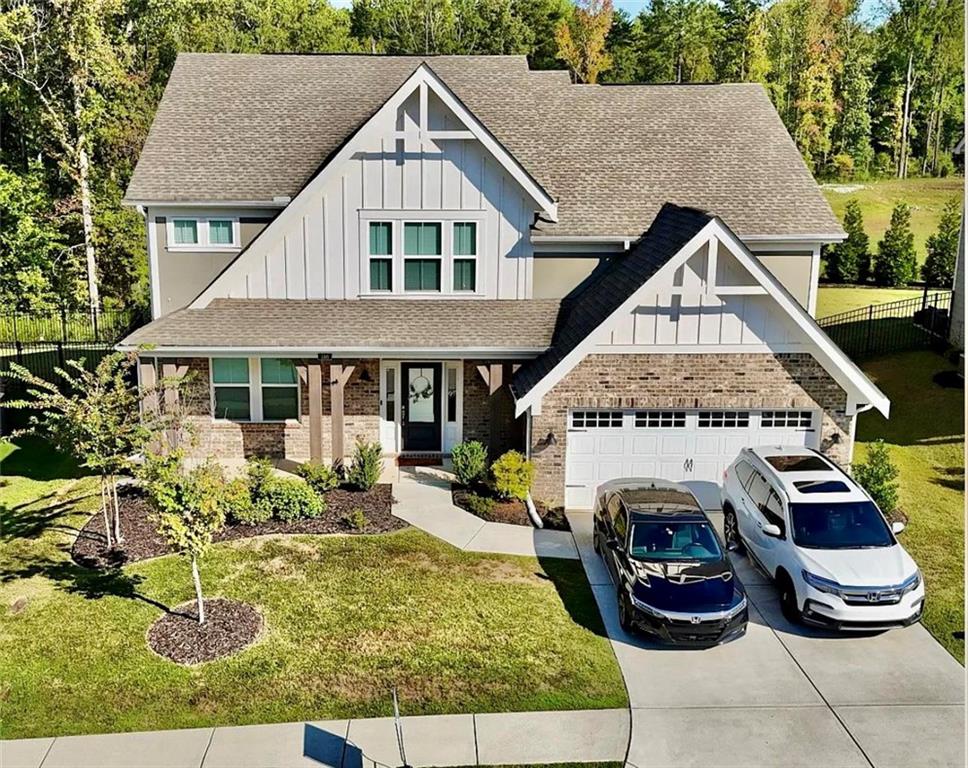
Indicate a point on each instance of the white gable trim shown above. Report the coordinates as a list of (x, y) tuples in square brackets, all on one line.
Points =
[(860, 390), (424, 79)]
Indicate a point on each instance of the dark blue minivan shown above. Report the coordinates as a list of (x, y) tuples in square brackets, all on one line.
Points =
[(672, 572)]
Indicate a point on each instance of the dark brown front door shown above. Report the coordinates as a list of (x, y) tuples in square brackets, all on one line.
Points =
[(420, 407)]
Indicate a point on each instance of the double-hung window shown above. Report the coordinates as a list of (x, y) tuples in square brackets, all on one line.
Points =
[(465, 256), (422, 256), (230, 388), (280, 389), (185, 231), (221, 232), (203, 233), (381, 256)]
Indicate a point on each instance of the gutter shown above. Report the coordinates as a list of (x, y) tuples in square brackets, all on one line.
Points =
[(445, 353)]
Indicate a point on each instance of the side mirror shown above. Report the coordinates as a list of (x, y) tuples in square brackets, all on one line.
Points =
[(613, 544), (772, 530), (897, 526)]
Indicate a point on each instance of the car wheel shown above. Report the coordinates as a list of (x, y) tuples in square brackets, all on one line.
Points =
[(788, 599), (597, 545), (624, 611), (731, 530)]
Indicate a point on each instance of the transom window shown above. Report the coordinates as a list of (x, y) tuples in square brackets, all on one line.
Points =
[(788, 419), (203, 233), (274, 398), (660, 419), (596, 419), (421, 239), (723, 419)]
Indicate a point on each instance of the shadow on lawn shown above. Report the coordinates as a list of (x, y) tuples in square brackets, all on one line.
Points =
[(950, 477), (34, 459), (29, 521), (576, 594)]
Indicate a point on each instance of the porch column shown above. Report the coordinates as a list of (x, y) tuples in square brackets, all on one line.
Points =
[(172, 371), (314, 372), (338, 376), (493, 376), (148, 383)]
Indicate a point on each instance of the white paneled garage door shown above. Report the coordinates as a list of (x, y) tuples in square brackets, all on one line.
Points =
[(673, 444)]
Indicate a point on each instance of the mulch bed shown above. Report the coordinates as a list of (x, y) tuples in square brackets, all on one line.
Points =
[(229, 627), (142, 541), (514, 512)]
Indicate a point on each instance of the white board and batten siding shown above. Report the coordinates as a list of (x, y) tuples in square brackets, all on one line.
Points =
[(679, 312), (322, 253)]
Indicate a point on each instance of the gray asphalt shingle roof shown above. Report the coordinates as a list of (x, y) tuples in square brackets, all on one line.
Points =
[(672, 228), (526, 325), (254, 127)]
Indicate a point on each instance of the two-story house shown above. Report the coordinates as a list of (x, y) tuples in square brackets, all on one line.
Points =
[(618, 280)]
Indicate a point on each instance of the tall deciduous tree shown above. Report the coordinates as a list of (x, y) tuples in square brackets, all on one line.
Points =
[(895, 261), (68, 58), (938, 270), (851, 135), (581, 39), (742, 55), (679, 40)]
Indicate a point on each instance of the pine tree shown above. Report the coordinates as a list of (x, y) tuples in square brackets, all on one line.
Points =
[(895, 262), (848, 261), (939, 268)]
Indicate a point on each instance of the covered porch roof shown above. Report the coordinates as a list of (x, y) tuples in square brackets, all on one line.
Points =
[(461, 327)]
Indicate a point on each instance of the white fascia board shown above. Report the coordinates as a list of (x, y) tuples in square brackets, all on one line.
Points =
[(589, 239), (829, 237), (833, 359), (432, 353), (423, 76), (576, 355)]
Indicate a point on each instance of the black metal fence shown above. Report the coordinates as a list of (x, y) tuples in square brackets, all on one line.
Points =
[(898, 325), (43, 341)]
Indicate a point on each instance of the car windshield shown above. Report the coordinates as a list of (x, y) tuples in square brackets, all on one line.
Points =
[(839, 525), (674, 541)]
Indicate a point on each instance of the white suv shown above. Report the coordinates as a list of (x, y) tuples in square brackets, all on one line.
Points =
[(832, 553)]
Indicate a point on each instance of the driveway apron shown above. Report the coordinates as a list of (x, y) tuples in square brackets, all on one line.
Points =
[(783, 695)]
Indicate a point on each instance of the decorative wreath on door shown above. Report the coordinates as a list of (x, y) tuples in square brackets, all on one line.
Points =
[(421, 389)]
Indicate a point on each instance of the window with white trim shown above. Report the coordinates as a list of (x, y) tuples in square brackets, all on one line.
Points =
[(280, 389), (230, 388), (787, 419), (381, 255), (723, 419), (596, 419), (464, 249), (660, 419), (203, 233), (422, 256)]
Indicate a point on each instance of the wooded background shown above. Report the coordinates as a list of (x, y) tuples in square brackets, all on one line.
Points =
[(81, 80)]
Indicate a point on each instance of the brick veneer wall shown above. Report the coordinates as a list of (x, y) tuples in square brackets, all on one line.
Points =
[(234, 440), (685, 381)]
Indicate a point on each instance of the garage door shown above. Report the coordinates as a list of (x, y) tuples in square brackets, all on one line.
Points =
[(672, 444)]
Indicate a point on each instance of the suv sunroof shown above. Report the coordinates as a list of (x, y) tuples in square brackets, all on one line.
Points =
[(821, 486), (798, 464)]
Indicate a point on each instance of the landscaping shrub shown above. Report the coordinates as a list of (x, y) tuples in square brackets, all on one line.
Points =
[(320, 477), (895, 262), (878, 476), (356, 519), (513, 475), (259, 473), (290, 499), (239, 504), (481, 506), (364, 472), (470, 462)]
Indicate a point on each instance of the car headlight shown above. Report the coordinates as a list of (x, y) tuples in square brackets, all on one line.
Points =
[(911, 583), (737, 609), (645, 607), (821, 584)]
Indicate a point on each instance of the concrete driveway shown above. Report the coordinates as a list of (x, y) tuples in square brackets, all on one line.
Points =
[(784, 695)]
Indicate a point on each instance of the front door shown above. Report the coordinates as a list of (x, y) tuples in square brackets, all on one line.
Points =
[(420, 406)]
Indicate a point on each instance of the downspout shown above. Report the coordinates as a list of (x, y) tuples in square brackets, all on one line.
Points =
[(853, 433), (528, 501)]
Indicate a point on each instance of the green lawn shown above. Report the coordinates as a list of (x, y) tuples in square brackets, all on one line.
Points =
[(926, 434), (832, 300), (346, 619), (877, 198)]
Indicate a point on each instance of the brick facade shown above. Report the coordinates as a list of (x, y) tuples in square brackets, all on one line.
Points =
[(478, 403), (685, 381), (234, 440)]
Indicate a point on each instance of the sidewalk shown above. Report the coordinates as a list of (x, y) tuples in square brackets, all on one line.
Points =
[(422, 498), (504, 738)]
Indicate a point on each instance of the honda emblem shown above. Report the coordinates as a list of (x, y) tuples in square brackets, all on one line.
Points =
[(873, 597), (695, 619)]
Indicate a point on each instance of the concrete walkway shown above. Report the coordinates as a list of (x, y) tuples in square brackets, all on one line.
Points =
[(784, 696), (437, 740), (422, 498)]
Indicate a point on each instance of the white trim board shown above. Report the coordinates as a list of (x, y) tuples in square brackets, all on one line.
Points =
[(423, 78), (860, 389)]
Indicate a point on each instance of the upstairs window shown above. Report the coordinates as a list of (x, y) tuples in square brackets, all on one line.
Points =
[(186, 231), (381, 256), (421, 240), (465, 256), (221, 232)]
